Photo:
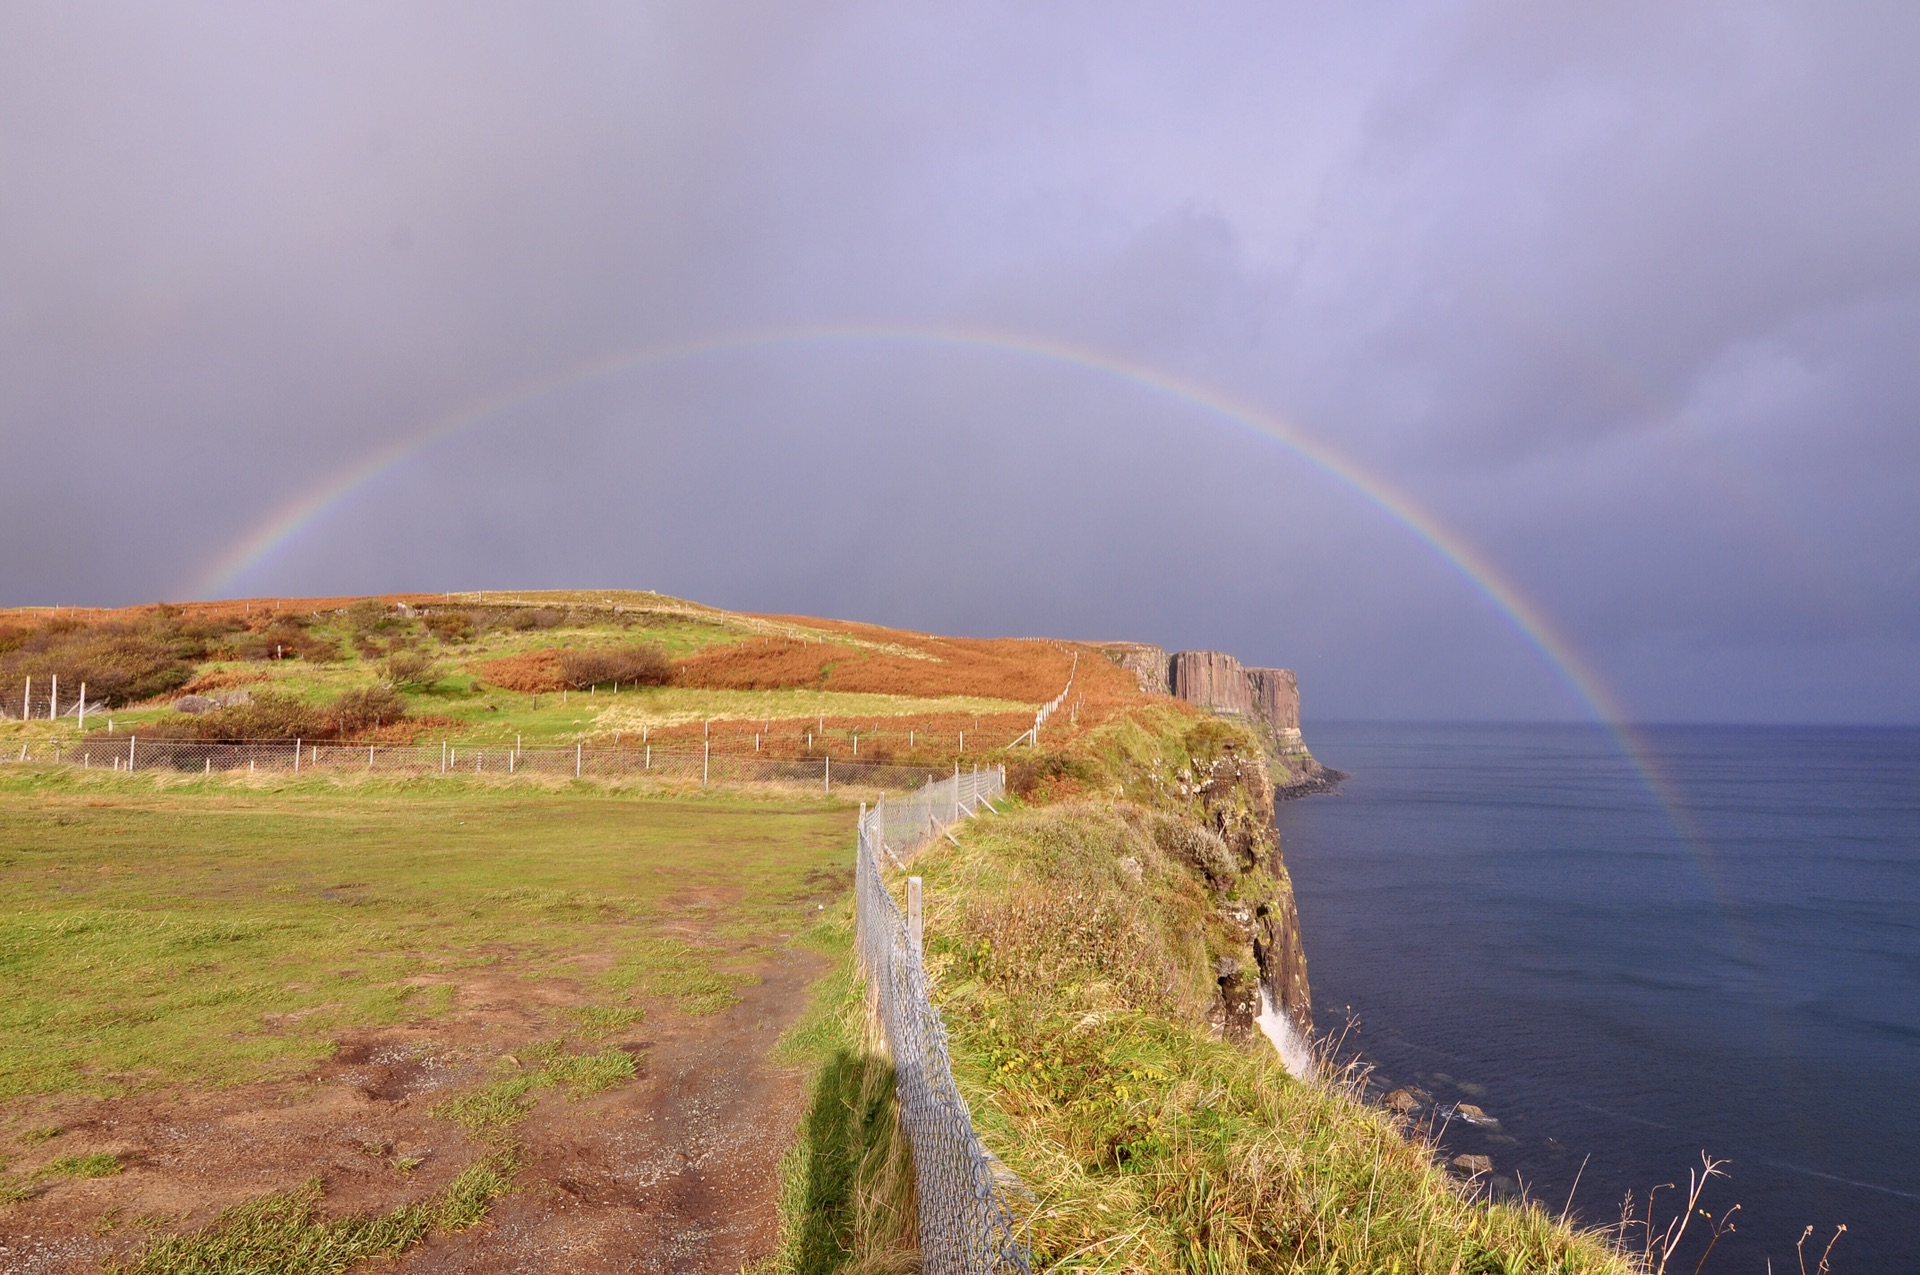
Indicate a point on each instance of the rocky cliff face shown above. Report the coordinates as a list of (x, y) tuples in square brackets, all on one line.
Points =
[(1231, 797), (1234, 794), (1268, 699)]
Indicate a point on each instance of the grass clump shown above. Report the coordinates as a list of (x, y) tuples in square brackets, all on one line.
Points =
[(491, 1111), (597, 1022), (284, 1232), (668, 968), (99, 1165)]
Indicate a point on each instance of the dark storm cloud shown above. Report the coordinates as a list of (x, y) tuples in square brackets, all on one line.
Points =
[(1626, 294)]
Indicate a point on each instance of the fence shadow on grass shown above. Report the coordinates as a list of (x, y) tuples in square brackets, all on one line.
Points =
[(857, 1211)]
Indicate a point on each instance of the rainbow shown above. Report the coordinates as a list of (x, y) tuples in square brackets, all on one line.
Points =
[(307, 510)]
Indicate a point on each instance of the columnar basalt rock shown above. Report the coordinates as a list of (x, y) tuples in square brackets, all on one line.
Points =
[(1219, 683), (1212, 680), (1276, 701)]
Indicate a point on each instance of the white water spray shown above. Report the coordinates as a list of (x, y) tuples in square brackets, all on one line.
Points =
[(1296, 1054)]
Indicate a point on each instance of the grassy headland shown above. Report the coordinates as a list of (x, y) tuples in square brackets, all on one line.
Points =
[(1074, 945)]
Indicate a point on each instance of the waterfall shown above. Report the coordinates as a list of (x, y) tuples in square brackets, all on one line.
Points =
[(1296, 1053)]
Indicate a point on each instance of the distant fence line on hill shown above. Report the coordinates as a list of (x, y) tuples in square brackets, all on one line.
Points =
[(961, 1190), (132, 753)]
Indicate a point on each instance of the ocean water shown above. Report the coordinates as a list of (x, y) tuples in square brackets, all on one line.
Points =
[(1511, 918)]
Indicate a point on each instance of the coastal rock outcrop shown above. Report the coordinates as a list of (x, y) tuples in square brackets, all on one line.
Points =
[(1267, 699)]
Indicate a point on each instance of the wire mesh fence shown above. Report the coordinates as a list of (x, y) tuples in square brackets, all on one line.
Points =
[(966, 1223), (294, 756)]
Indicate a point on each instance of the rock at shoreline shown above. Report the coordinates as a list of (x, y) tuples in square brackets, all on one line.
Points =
[(1473, 1115), (1473, 1164), (1403, 1102)]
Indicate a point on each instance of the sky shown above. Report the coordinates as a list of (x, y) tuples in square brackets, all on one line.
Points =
[(927, 314)]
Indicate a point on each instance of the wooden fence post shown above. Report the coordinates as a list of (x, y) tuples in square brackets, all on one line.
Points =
[(915, 924)]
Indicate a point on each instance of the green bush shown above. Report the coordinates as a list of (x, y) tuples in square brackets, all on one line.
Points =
[(410, 668)]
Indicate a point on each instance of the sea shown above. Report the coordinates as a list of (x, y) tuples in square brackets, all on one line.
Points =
[(1626, 958)]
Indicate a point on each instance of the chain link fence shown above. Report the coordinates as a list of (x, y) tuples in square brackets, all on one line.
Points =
[(966, 1224), (293, 756)]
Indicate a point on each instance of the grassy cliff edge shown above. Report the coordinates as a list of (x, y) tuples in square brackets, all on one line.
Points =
[(1087, 950)]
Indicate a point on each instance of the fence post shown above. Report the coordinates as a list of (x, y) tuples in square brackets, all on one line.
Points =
[(83, 707), (576, 758), (130, 746), (296, 756), (706, 757), (26, 702), (53, 700), (649, 762), (829, 773), (915, 925)]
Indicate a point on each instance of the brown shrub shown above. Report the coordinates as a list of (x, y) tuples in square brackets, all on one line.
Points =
[(1052, 776), (370, 615), (358, 712), (640, 664), (117, 664), (268, 715), (450, 626), (281, 640), (368, 714)]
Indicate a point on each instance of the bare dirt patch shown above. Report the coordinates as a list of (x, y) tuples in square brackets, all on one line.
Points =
[(672, 1171)]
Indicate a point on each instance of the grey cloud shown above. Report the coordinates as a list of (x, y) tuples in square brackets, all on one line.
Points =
[(1625, 294)]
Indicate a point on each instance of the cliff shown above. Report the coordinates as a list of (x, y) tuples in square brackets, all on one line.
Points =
[(1265, 699)]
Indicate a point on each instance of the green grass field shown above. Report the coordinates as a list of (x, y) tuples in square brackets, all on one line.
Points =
[(212, 933)]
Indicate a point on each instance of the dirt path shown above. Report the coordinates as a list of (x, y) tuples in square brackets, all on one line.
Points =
[(675, 1171)]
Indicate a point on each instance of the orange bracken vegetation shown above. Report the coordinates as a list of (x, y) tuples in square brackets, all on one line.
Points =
[(765, 664), (1027, 672), (221, 680), (530, 673)]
